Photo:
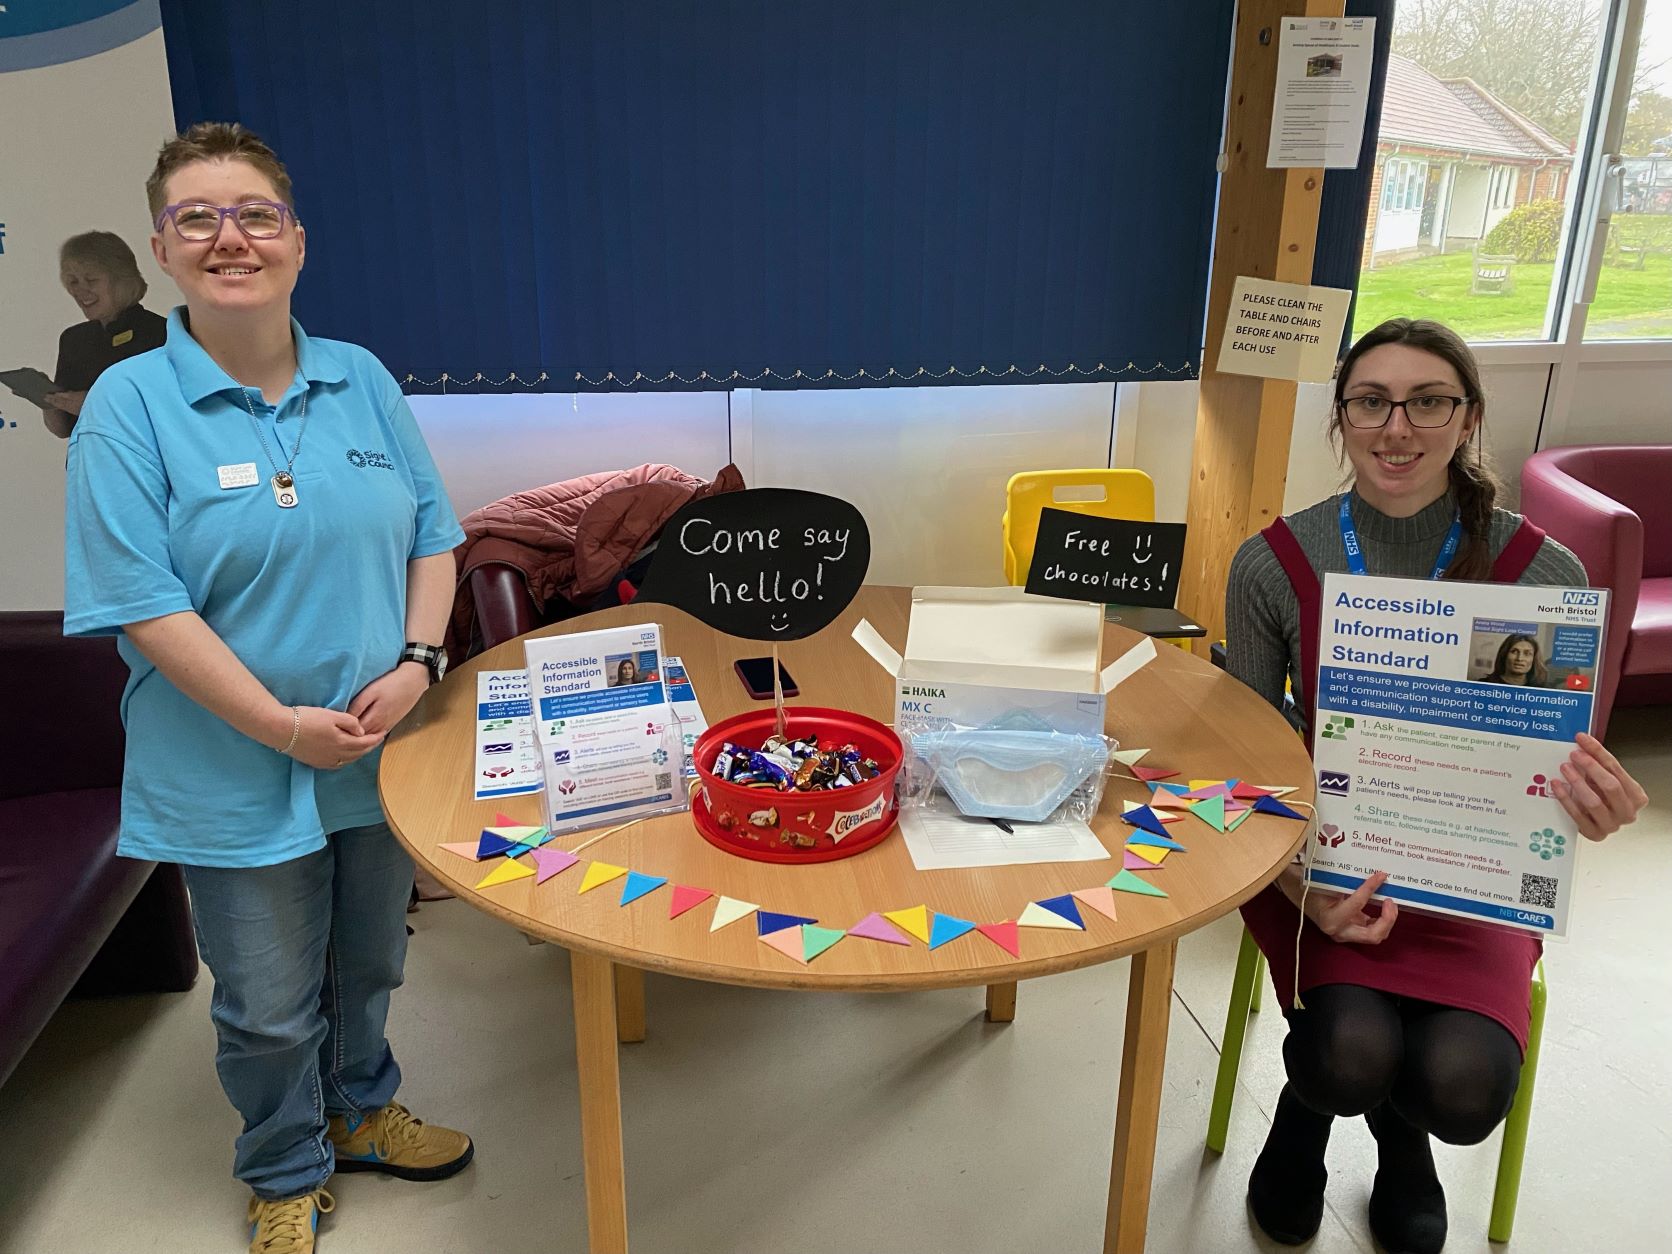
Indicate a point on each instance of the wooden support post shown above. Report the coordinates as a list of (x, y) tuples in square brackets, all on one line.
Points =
[(629, 1005), (1001, 1002), (1268, 229)]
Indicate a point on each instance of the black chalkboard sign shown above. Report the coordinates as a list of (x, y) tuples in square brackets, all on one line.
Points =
[(1086, 558), (766, 564)]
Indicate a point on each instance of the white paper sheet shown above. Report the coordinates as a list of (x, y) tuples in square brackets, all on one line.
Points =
[(1323, 88), (939, 841)]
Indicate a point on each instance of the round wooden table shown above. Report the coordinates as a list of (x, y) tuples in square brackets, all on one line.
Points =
[(1194, 719)]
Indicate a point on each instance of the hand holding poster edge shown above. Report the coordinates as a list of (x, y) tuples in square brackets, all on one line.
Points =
[(764, 564)]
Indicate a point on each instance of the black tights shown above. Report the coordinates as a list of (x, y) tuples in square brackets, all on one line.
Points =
[(1448, 1072)]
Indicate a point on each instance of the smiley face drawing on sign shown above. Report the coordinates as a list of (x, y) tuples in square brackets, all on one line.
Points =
[(765, 564)]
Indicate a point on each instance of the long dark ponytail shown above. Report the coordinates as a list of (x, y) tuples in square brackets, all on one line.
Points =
[(1472, 482)]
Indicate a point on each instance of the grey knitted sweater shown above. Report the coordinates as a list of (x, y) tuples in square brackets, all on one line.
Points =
[(1262, 617)]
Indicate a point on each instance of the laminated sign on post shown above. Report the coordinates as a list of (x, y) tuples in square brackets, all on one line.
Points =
[(1444, 711), (1086, 558)]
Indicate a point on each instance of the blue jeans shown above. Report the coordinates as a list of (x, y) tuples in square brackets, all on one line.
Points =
[(305, 955)]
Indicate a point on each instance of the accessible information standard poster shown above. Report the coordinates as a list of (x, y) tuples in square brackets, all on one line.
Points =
[(1444, 710)]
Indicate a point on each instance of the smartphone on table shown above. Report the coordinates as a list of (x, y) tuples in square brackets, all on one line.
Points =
[(756, 674)]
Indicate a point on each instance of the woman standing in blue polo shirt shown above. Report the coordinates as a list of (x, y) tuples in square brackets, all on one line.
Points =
[(253, 513)]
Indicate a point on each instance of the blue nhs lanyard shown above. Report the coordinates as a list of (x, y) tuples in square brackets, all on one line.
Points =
[(1355, 555)]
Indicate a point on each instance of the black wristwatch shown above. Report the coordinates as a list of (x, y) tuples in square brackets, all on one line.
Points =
[(432, 656)]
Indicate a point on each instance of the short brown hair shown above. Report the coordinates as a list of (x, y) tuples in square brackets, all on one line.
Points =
[(108, 252), (216, 141)]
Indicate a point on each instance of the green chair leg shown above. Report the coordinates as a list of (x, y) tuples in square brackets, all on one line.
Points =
[(1508, 1190), (1259, 983), (1243, 990)]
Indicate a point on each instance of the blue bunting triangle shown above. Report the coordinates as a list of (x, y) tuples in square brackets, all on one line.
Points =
[(1146, 819), (1142, 837), (491, 846), (767, 922), (638, 885), (945, 928), (1271, 805), (1065, 907)]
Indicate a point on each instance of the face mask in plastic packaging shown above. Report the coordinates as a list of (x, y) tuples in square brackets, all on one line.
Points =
[(1009, 774)]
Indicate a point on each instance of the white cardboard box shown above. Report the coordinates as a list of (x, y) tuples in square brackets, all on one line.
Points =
[(974, 655)]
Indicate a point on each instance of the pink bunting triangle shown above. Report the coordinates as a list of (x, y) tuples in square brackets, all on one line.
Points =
[(1134, 863), (1150, 772), (502, 819), (464, 848), (549, 862), (1003, 935), (1249, 792), (1100, 899), (787, 941), (874, 927), (684, 898)]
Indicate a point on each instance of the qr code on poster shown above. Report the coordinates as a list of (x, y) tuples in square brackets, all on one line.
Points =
[(665, 780), (1538, 890)]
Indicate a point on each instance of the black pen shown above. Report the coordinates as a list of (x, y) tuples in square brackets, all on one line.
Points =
[(1003, 826)]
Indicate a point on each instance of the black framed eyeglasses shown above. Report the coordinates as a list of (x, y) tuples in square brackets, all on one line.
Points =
[(1420, 411), (257, 219)]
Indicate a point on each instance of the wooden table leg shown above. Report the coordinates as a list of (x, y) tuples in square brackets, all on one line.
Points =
[(1001, 1002), (629, 1005), (1138, 1109), (600, 1087)]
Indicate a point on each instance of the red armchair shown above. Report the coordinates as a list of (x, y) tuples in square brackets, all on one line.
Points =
[(1612, 505)]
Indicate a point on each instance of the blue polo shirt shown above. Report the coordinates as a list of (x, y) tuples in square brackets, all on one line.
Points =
[(162, 517)]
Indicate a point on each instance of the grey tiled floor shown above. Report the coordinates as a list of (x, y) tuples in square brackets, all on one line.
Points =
[(766, 1123)]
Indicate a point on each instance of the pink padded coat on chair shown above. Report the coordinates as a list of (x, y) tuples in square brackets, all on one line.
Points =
[(1612, 505)]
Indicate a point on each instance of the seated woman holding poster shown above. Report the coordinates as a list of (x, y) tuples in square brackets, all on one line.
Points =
[(1415, 1021), (1518, 662)]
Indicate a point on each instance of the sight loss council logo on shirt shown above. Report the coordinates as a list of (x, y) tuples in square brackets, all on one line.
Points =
[(368, 459)]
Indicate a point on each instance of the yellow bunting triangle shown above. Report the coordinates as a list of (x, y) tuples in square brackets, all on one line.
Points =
[(729, 910), (1204, 783), (1129, 757), (1151, 854), (915, 921), (516, 833), (504, 873), (600, 873), (1036, 915)]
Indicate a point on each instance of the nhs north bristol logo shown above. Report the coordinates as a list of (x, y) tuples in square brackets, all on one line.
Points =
[(1581, 598)]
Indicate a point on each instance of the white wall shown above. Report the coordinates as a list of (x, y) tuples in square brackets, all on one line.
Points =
[(77, 141)]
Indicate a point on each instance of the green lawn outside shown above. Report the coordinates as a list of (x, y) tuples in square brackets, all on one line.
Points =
[(1630, 304)]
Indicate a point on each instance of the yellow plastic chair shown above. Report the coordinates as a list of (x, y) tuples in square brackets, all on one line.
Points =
[(1102, 493)]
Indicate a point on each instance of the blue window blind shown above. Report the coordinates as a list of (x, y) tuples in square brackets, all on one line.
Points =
[(591, 194)]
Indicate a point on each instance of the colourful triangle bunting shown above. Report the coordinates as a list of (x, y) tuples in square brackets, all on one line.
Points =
[(552, 862), (1169, 801), (947, 928), (874, 927), (1248, 792), (464, 849), (504, 873), (1150, 772), (1145, 818), (815, 940), (1129, 757), (787, 941), (1211, 811), (1003, 935), (1065, 906), (502, 819), (1268, 804), (684, 898), (1100, 899), (517, 832), (1212, 783), (729, 910), (1036, 915), (600, 873), (915, 920), (1132, 862), (767, 922), (1126, 882), (1149, 853), (638, 884), (1175, 789)]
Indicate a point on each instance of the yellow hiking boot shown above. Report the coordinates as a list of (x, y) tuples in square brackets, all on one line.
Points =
[(393, 1142), (287, 1227)]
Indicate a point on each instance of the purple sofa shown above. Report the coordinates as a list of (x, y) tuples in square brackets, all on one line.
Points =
[(73, 915), (1612, 505)]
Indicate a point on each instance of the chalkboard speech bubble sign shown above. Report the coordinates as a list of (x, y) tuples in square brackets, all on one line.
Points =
[(1113, 560), (765, 564)]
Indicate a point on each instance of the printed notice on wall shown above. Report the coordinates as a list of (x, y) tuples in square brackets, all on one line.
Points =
[(1283, 330), (1445, 709), (1323, 86)]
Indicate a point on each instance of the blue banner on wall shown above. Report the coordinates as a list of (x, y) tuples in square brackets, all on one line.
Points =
[(588, 194)]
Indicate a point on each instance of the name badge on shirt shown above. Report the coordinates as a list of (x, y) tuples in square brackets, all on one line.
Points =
[(240, 476), (116, 341)]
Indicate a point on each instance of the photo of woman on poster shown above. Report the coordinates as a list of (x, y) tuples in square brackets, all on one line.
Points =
[(1519, 662), (100, 274)]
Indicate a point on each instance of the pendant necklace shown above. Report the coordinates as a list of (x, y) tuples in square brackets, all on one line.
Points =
[(283, 481)]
